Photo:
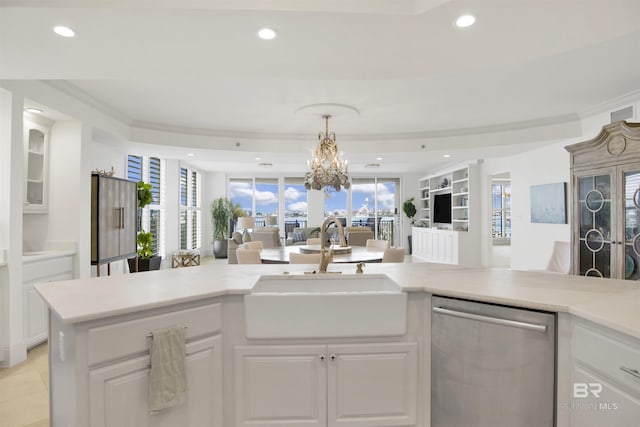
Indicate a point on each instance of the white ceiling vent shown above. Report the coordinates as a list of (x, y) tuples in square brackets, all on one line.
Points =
[(622, 114), (372, 165)]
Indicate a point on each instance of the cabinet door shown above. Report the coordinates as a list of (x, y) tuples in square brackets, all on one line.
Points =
[(595, 214), (129, 203), (34, 317), (598, 402), (372, 385), (109, 218), (629, 260), (36, 140), (118, 393), (281, 385)]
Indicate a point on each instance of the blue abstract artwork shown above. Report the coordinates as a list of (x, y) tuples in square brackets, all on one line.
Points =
[(549, 203)]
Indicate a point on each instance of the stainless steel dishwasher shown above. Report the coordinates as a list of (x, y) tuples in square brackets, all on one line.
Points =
[(491, 365)]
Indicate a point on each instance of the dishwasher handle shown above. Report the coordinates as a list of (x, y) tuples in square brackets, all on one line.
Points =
[(488, 319)]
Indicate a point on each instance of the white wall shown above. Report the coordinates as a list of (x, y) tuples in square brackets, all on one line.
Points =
[(214, 185), (531, 243), (12, 347), (410, 188), (172, 210)]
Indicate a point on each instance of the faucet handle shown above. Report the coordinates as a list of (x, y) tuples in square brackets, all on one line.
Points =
[(359, 269)]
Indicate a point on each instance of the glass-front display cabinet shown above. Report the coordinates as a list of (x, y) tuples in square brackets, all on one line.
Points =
[(606, 203), (36, 153)]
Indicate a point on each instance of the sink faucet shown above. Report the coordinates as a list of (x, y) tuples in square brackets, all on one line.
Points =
[(327, 257)]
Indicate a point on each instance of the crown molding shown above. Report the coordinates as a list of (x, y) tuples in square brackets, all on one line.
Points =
[(389, 7), (611, 105), (84, 97), (403, 136)]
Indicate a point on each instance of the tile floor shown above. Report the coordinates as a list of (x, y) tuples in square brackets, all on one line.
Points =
[(24, 391)]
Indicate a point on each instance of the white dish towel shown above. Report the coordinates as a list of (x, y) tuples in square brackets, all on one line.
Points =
[(168, 376)]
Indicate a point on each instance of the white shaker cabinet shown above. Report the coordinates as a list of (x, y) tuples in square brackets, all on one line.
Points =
[(605, 376), (351, 385), (119, 392), (100, 369), (34, 309)]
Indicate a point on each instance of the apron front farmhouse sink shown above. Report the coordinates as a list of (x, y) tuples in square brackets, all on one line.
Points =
[(315, 306)]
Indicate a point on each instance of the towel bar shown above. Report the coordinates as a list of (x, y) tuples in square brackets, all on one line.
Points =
[(150, 335)]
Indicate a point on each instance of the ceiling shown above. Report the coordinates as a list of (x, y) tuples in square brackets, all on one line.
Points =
[(420, 85)]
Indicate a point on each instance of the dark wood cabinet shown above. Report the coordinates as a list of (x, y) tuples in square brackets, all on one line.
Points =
[(113, 218)]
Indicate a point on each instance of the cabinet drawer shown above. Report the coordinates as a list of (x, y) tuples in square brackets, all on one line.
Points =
[(607, 352), (127, 338), (41, 270)]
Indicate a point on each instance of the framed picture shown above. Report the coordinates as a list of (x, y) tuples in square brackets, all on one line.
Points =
[(549, 203)]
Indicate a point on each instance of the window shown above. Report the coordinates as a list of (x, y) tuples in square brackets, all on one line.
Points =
[(150, 170), (501, 208), (295, 204), (190, 209), (335, 202), (374, 203), (266, 199), (258, 197), (241, 193)]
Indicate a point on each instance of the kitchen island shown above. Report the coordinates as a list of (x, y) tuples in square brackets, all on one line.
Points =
[(99, 349)]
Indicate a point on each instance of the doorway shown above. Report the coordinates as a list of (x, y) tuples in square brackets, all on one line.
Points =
[(501, 219)]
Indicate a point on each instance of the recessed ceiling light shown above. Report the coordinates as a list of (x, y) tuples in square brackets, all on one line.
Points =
[(446, 156), (378, 158), (64, 31), (267, 34), (465, 21), (258, 158), (190, 155), (33, 110)]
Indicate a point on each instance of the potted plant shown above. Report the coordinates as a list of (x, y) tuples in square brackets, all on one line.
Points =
[(409, 209), (145, 261), (223, 211), (236, 212)]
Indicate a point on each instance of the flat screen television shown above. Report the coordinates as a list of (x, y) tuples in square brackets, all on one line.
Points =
[(442, 208)]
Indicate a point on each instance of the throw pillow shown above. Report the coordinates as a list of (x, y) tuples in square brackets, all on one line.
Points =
[(237, 237), (298, 236), (246, 237)]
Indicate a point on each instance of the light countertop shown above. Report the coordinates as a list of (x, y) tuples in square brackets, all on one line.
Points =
[(612, 303), (28, 257)]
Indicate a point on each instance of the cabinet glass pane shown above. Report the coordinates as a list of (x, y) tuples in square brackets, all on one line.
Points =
[(631, 224), (603, 184), (594, 206)]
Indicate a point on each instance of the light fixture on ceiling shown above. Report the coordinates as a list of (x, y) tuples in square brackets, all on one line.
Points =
[(33, 110), (465, 21), (63, 31), (267, 34), (378, 158), (258, 158), (327, 167), (190, 155), (446, 156)]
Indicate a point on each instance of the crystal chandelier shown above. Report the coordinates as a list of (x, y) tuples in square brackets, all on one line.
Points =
[(327, 167)]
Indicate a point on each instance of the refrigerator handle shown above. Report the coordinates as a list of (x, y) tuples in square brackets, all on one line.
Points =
[(494, 320)]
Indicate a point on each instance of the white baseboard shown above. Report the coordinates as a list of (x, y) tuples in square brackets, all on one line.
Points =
[(13, 355)]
